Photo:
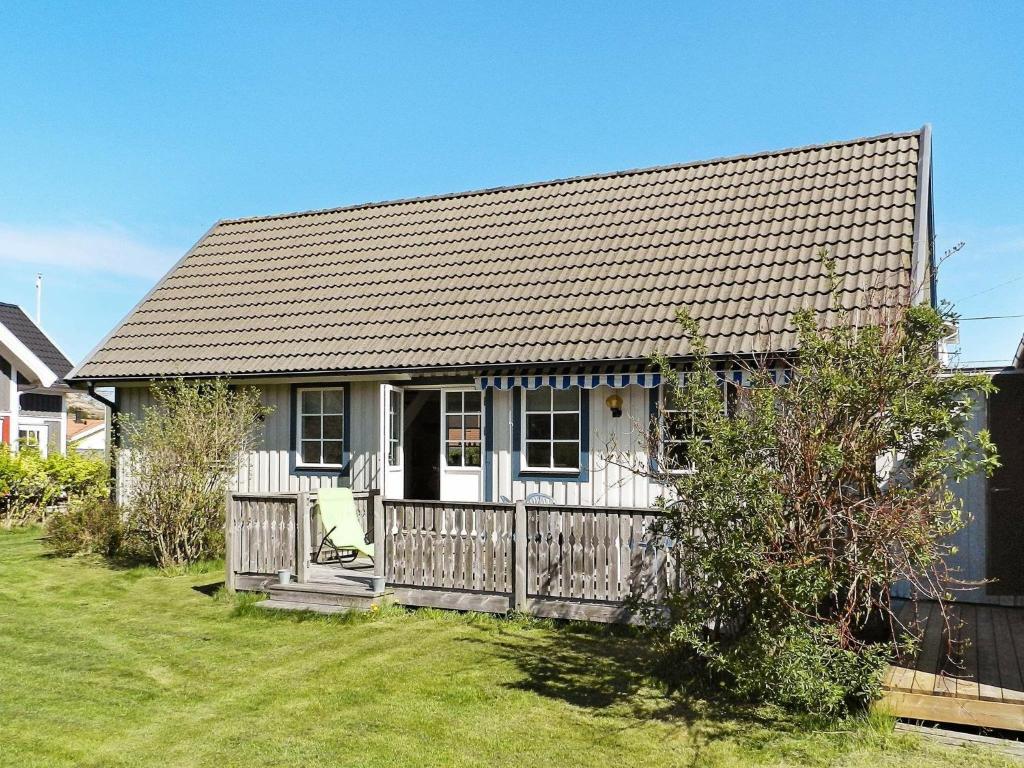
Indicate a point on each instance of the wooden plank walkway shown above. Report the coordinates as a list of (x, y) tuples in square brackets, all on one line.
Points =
[(968, 670)]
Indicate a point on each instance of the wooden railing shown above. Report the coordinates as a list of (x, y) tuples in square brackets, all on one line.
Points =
[(265, 533), (564, 562)]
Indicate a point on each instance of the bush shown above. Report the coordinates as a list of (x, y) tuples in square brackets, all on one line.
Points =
[(29, 483), (177, 461), (806, 497), (88, 526)]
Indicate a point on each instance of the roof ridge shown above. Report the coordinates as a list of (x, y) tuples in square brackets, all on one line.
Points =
[(569, 179)]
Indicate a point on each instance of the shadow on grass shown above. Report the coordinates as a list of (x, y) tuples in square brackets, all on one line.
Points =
[(617, 670)]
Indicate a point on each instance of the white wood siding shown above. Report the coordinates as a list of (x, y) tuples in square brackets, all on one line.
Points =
[(270, 468)]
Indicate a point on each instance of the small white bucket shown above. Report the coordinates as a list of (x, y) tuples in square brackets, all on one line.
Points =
[(284, 576)]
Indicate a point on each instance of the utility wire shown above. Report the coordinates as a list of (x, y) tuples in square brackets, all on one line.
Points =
[(989, 290), (991, 317)]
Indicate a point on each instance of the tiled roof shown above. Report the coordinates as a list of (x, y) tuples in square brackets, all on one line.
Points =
[(581, 269), (28, 333)]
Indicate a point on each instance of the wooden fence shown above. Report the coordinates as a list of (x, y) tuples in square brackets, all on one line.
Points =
[(265, 533), (563, 562)]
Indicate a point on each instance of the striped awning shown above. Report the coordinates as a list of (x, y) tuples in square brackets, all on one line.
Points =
[(645, 379)]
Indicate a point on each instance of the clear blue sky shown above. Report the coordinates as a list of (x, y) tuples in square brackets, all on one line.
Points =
[(126, 130)]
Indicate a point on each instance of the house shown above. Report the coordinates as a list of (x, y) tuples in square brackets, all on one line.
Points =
[(470, 347), (87, 436), (32, 389), (988, 556)]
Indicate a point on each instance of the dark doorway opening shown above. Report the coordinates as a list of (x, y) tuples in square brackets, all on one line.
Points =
[(422, 441), (1006, 487)]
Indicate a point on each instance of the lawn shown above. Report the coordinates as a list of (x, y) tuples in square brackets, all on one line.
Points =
[(115, 667)]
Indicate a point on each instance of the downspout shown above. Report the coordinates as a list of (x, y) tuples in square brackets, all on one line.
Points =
[(113, 436)]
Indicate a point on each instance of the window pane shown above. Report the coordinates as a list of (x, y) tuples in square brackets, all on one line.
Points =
[(332, 451), (473, 426), (310, 427), (454, 402), (334, 401), (333, 426), (454, 455), (538, 426), (311, 451), (567, 426), (538, 454), (538, 399), (472, 455), (393, 453), (567, 399), (454, 428), (472, 400), (311, 401), (678, 455), (567, 455)]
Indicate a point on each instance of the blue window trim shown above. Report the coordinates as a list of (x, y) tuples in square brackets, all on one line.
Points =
[(582, 475), (488, 444), (345, 469)]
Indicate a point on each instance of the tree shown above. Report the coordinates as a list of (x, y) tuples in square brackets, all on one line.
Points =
[(177, 461), (793, 504)]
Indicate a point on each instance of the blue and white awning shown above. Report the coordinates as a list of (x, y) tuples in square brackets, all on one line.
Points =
[(645, 379)]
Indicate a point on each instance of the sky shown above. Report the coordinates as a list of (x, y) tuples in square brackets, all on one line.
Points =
[(127, 130)]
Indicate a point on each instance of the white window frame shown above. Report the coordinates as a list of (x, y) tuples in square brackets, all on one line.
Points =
[(666, 440), (462, 413), (299, 463), (41, 433), (523, 440), (395, 427)]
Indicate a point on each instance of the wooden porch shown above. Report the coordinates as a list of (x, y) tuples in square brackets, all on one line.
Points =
[(552, 561), (972, 674)]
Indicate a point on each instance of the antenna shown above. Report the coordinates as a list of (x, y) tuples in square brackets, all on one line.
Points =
[(39, 298)]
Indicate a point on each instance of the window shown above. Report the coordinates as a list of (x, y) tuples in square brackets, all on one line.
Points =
[(33, 438), (679, 432), (551, 428), (394, 428), (462, 429), (321, 429)]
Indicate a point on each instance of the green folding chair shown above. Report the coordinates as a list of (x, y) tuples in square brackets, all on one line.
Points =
[(344, 533)]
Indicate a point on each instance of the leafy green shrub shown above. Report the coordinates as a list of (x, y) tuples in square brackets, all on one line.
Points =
[(177, 460), (88, 526), (29, 483), (806, 496)]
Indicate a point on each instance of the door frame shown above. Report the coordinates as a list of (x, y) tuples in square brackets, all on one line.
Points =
[(442, 453)]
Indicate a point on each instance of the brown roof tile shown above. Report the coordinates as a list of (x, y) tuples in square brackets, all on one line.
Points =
[(590, 268)]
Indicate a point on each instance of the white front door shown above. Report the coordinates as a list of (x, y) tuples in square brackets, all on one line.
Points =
[(392, 441), (462, 445)]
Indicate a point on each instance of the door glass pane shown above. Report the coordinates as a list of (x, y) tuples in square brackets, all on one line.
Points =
[(310, 427), (538, 399), (473, 426), (472, 401), (332, 451), (567, 455), (333, 426), (454, 402), (311, 401), (566, 399), (311, 451), (334, 401), (472, 454), (567, 426), (454, 428), (538, 426), (538, 454), (454, 454)]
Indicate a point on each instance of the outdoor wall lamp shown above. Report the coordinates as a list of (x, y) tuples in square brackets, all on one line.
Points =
[(615, 403)]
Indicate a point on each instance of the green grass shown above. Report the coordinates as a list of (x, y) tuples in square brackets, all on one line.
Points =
[(122, 667)]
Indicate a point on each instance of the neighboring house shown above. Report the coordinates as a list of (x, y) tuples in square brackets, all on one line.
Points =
[(32, 390), (488, 345), (87, 436)]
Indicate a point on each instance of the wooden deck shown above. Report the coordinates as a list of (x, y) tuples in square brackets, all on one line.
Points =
[(972, 674)]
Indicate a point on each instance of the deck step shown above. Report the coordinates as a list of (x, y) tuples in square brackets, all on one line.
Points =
[(342, 596), (287, 605)]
